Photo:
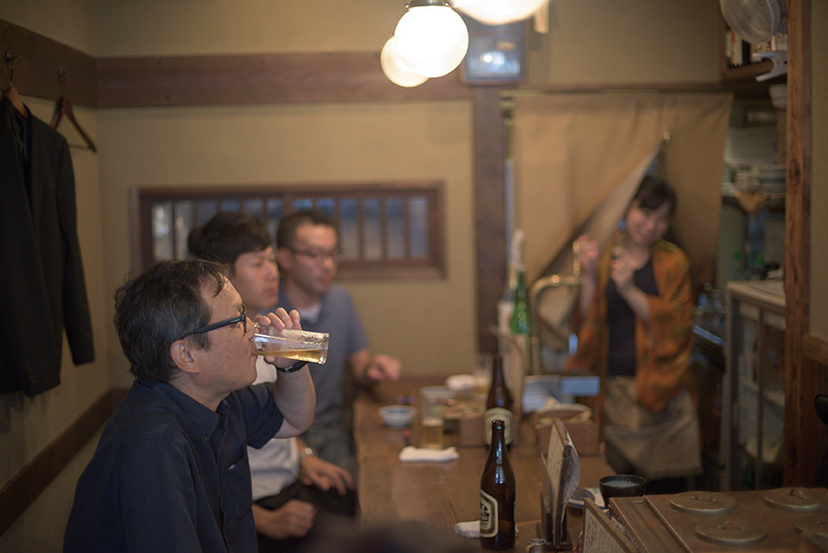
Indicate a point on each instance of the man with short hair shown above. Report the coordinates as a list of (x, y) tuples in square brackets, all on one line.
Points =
[(171, 472), (308, 254), (289, 481)]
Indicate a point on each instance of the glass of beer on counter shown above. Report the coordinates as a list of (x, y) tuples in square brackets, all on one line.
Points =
[(433, 401), (291, 343)]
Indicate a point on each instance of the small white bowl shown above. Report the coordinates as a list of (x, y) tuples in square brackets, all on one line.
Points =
[(397, 416)]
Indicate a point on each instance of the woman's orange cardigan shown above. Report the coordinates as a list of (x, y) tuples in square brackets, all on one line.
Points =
[(662, 347)]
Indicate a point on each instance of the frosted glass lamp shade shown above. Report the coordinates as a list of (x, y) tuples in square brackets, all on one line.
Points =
[(431, 40), (498, 12), (396, 71)]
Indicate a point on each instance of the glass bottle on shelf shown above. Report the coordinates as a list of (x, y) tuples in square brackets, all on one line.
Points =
[(520, 315)]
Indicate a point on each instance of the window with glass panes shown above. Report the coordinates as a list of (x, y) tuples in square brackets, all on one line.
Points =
[(385, 230)]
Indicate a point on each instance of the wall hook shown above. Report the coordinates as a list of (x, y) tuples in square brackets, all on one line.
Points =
[(10, 57), (62, 74)]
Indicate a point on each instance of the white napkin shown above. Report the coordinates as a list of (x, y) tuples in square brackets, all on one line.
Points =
[(411, 453), (460, 382), (470, 529)]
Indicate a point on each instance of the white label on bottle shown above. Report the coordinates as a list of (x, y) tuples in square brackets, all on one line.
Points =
[(488, 515), (499, 413)]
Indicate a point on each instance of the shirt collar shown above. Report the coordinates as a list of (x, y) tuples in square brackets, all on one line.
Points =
[(205, 420)]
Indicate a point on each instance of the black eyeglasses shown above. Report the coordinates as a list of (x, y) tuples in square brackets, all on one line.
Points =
[(227, 322), (318, 256)]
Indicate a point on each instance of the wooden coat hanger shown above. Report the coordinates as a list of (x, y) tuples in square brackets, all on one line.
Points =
[(11, 92), (64, 107)]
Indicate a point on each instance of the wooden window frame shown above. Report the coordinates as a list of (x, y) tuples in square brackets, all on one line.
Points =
[(433, 265)]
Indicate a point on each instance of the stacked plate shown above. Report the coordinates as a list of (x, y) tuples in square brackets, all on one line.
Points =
[(768, 178), (771, 178), (746, 179)]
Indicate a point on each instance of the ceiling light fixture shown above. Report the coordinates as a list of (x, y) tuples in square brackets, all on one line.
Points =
[(499, 12), (394, 68), (431, 38)]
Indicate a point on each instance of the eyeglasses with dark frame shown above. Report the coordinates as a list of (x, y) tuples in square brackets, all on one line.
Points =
[(318, 257), (226, 322)]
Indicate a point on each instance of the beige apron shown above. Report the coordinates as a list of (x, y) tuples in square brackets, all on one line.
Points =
[(660, 444)]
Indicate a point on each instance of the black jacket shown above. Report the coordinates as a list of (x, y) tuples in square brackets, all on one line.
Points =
[(41, 280)]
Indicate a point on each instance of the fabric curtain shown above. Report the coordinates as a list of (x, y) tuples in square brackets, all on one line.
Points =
[(579, 157)]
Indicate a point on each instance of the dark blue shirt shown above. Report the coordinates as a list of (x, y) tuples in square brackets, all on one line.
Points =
[(621, 322), (171, 475)]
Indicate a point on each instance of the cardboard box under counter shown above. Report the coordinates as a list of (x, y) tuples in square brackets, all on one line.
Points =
[(585, 434)]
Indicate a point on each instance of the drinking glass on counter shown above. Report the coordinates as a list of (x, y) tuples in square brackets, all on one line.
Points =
[(483, 373), (291, 343), (432, 404)]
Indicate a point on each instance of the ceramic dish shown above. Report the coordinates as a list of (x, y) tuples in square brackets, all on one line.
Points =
[(397, 416)]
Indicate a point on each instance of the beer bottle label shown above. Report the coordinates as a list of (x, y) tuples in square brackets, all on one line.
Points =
[(499, 413), (488, 515)]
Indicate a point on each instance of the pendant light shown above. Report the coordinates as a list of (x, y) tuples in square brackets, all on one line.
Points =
[(498, 12), (431, 38), (394, 68)]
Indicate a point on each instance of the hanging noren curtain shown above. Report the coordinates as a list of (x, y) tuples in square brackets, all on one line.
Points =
[(578, 159)]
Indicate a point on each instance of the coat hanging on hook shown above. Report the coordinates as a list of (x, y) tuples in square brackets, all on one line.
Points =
[(44, 278)]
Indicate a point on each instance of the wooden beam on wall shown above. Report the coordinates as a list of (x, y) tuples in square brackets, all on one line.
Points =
[(209, 80), (258, 79), (37, 69)]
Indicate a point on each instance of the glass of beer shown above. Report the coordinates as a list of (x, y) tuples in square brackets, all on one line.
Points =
[(291, 343), (431, 419)]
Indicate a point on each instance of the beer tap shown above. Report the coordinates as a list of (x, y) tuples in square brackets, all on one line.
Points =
[(535, 291)]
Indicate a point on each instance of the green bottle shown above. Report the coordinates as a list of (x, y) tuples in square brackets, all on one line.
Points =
[(520, 316)]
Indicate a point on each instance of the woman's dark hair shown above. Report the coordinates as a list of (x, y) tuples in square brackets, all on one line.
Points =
[(653, 192), (286, 233), (227, 235), (161, 305)]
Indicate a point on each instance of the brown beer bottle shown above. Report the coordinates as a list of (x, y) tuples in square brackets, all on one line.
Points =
[(498, 403), (497, 495)]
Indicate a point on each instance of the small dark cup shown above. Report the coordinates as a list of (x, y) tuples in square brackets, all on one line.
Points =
[(621, 485)]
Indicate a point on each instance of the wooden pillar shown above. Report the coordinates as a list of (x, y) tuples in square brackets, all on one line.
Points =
[(801, 373), (490, 216)]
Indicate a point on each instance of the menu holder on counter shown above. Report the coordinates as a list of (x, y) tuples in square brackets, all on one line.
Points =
[(601, 533), (561, 478)]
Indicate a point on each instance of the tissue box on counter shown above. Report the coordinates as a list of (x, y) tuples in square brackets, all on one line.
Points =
[(579, 423)]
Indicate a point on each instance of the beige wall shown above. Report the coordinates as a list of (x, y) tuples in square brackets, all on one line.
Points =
[(316, 144), (129, 28), (595, 41), (327, 143), (588, 42)]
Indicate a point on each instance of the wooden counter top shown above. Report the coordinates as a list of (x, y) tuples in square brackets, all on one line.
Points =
[(441, 494)]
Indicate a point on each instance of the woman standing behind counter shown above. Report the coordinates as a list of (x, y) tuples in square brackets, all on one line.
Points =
[(636, 309)]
